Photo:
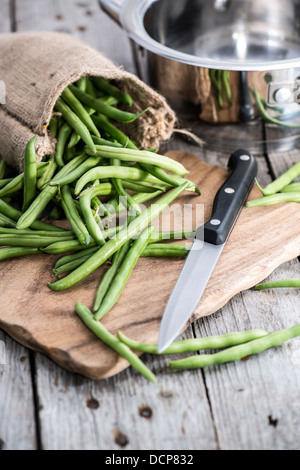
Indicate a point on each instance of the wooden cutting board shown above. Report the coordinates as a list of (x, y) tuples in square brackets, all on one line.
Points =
[(45, 321)]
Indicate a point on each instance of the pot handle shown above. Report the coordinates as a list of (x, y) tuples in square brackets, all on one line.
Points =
[(112, 8)]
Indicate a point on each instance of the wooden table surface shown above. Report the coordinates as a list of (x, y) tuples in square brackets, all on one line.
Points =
[(251, 404)]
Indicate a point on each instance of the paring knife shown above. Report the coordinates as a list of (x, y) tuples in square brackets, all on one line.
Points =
[(204, 254)]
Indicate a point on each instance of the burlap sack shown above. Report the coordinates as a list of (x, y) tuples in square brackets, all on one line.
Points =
[(36, 67)]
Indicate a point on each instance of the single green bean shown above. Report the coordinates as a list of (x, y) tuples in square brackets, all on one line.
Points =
[(73, 216), (5, 181), (108, 143), (63, 136), (103, 123), (143, 156), (103, 108), (291, 188), (17, 252), (37, 233), (30, 241), (75, 138), (82, 83), (175, 235), (76, 124), (266, 116), (278, 198), (104, 85), (46, 195), (49, 173), (92, 226), (165, 251), (226, 85), (2, 168), (110, 340), (30, 173), (284, 180), (53, 126), (121, 278), (17, 183), (279, 284), (237, 352), (114, 244), (196, 344), (69, 97)]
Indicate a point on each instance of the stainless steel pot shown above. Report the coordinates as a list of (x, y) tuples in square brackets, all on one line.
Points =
[(228, 61)]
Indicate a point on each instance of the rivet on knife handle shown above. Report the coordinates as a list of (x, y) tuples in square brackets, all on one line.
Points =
[(231, 198)]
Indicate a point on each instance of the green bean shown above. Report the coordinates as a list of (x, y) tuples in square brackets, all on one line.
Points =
[(30, 240), (280, 183), (37, 233), (14, 214), (114, 244), (63, 136), (49, 173), (110, 274), (104, 85), (101, 141), (237, 352), (79, 110), (142, 187), (68, 267), (266, 116), (87, 165), (18, 182), (103, 123), (121, 172), (121, 278), (175, 235), (73, 216), (75, 138), (75, 123), (2, 168), (30, 173), (110, 340), (17, 252), (165, 251), (92, 226), (103, 108), (225, 80), (130, 155), (291, 188), (53, 126), (82, 83), (196, 344), (7, 222), (46, 195), (278, 198), (5, 181), (279, 284), (125, 198)]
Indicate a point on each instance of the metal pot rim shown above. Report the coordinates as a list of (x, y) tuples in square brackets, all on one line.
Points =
[(131, 17)]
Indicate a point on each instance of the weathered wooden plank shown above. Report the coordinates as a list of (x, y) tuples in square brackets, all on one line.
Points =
[(83, 19), (255, 402), (17, 422), (124, 412)]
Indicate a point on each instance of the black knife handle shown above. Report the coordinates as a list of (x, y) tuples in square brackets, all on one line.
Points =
[(231, 197)]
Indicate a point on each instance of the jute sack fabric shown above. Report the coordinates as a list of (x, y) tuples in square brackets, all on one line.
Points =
[(36, 67)]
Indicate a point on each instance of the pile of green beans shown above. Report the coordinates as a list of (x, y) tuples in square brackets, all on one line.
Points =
[(95, 173)]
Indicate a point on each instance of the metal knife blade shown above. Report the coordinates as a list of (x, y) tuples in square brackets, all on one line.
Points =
[(204, 255)]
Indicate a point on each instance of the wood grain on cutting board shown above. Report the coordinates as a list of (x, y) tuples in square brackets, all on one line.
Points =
[(43, 320)]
